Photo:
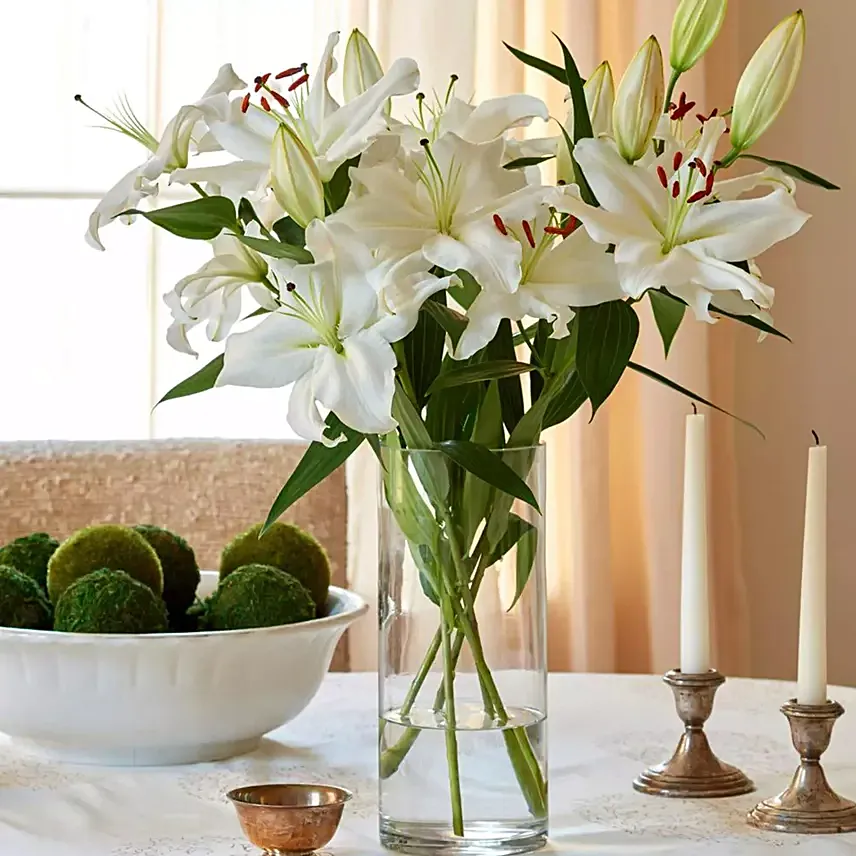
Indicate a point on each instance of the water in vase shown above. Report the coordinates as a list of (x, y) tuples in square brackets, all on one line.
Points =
[(416, 803)]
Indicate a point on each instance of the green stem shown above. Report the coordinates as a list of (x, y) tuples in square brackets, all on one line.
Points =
[(670, 89), (198, 188), (451, 726)]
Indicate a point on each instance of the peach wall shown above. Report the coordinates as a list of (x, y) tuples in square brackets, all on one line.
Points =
[(788, 389)]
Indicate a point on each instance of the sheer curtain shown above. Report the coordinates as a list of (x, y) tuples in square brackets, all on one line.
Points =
[(615, 485)]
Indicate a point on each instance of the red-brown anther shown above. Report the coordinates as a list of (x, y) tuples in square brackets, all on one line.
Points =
[(554, 230), (703, 118), (261, 81), (497, 221), (699, 194), (676, 190), (299, 82), (289, 72), (280, 99), (708, 187), (570, 224), (527, 230), (265, 103), (681, 109), (677, 161), (661, 174), (290, 286), (245, 103), (702, 169)]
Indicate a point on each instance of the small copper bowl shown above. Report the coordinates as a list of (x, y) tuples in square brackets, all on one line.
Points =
[(289, 819)]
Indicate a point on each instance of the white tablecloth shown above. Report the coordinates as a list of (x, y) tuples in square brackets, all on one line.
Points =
[(603, 731)]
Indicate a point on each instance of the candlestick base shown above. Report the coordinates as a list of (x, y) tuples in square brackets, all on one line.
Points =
[(808, 805), (693, 770)]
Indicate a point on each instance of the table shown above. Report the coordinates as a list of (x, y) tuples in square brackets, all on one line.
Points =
[(603, 730)]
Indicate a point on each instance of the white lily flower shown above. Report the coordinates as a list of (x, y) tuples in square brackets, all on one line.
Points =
[(639, 101), (664, 233), (361, 68), (331, 337), (442, 207), (168, 154), (213, 293), (330, 132), (560, 270), (475, 123)]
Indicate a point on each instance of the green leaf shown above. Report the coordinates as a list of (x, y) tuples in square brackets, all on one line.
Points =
[(501, 347), (586, 193), (531, 332), (527, 549), (794, 171), (460, 375), (487, 432), (199, 381), (423, 352), (606, 338), (336, 190), (318, 462), (650, 373), (749, 321), (520, 163), (582, 120), (489, 467), (246, 212), (289, 232), (467, 291), (555, 71), (668, 313), (277, 249), (452, 322), (450, 413), (201, 219), (432, 472), (517, 527), (565, 401)]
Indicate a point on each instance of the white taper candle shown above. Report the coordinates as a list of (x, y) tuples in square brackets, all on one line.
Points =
[(695, 606), (811, 669)]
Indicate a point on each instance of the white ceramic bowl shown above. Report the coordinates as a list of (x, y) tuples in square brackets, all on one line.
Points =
[(164, 698)]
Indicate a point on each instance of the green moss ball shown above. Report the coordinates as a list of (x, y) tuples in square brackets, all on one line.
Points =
[(258, 596), (22, 601), (178, 562), (30, 555), (109, 601), (284, 546), (104, 546)]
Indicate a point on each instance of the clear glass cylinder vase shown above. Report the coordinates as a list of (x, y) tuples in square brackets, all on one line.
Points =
[(462, 666)]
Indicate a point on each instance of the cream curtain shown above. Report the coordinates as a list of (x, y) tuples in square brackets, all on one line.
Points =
[(615, 485)]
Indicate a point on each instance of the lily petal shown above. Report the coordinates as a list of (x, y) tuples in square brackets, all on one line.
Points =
[(276, 352), (619, 187), (744, 228), (493, 117)]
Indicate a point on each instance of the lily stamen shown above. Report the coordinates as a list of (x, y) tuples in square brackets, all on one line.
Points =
[(501, 227), (261, 80), (527, 230), (299, 82), (290, 72), (265, 104), (702, 169), (661, 174), (677, 161), (681, 109), (280, 99), (245, 103), (676, 190)]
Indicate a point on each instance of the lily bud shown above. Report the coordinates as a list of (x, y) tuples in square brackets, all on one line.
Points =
[(361, 68), (639, 101), (767, 81), (695, 26), (600, 98), (295, 178)]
